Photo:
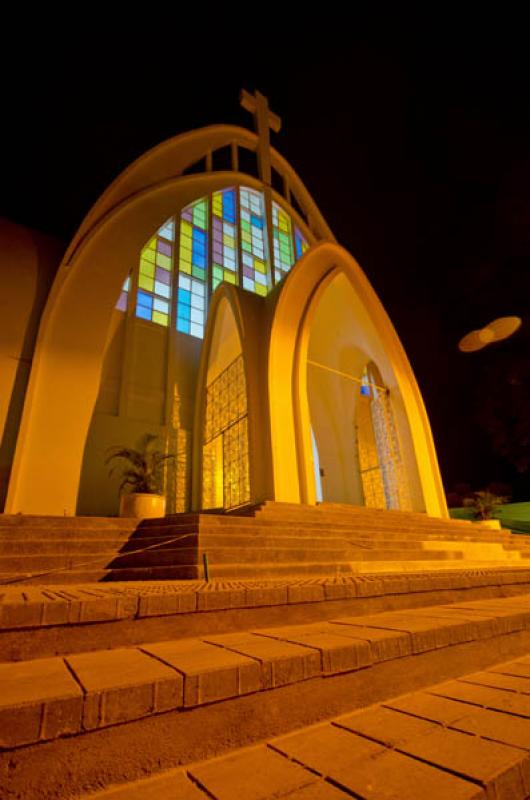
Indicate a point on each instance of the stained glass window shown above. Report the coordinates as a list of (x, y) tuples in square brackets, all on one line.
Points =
[(154, 278), (224, 236), (121, 305), (193, 268), (300, 243), (238, 253), (254, 257), (282, 241)]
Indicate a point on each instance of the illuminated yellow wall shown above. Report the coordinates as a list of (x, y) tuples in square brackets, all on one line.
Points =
[(28, 262)]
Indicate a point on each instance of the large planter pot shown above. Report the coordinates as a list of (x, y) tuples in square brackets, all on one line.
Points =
[(142, 506), (492, 524)]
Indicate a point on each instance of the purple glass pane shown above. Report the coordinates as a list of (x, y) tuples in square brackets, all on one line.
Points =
[(247, 272), (164, 248), (163, 275), (218, 250), (187, 214), (121, 305)]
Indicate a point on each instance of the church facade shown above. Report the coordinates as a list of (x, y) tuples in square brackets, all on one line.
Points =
[(205, 299)]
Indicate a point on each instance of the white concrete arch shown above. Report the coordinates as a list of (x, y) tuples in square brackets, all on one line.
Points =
[(289, 410)]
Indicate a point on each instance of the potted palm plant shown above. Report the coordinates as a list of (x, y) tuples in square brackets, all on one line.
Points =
[(485, 504), (141, 488)]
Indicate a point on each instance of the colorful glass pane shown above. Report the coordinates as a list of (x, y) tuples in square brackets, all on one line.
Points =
[(300, 243), (224, 238), (154, 276), (193, 269), (282, 241), (254, 251), (123, 299)]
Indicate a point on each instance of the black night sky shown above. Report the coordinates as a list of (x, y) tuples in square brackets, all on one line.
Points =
[(415, 145)]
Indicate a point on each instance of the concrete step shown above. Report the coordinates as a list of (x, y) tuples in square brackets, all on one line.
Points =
[(180, 700), (14, 521), (454, 739)]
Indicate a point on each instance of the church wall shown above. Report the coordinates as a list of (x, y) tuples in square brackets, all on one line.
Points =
[(28, 262), (149, 389)]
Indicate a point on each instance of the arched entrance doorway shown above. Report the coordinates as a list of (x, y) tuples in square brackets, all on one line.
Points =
[(348, 404)]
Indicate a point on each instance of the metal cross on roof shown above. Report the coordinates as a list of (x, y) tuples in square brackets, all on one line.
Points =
[(264, 118)]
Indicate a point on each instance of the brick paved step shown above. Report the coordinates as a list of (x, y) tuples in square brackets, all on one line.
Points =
[(40, 621), (424, 745), (67, 722)]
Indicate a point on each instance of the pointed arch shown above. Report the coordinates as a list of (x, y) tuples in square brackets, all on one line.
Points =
[(287, 365)]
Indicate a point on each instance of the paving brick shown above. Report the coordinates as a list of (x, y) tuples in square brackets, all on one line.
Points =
[(496, 766), (281, 662), (55, 612), (480, 626), (385, 725), (494, 725), (516, 668), (37, 692), (431, 707), (160, 605), (505, 620), (170, 786), (338, 653), (37, 681), (496, 699), (211, 600), (317, 791), (309, 593), (496, 680), (126, 680), (425, 634), (326, 748), (384, 644), (393, 776), (265, 596), (253, 774), (210, 673), (20, 725), (20, 615)]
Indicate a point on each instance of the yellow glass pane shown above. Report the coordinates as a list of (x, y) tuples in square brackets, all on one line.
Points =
[(229, 241), (163, 261), (230, 277), (262, 290), (185, 267), (152, 244), (260, 266), (147, 269), (186, 229), (144, 282), (148, 255), (217, 205), (161, 319)]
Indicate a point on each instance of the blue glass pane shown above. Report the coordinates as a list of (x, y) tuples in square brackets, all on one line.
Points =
[(143, 313), (145, 299), (183, 325)]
